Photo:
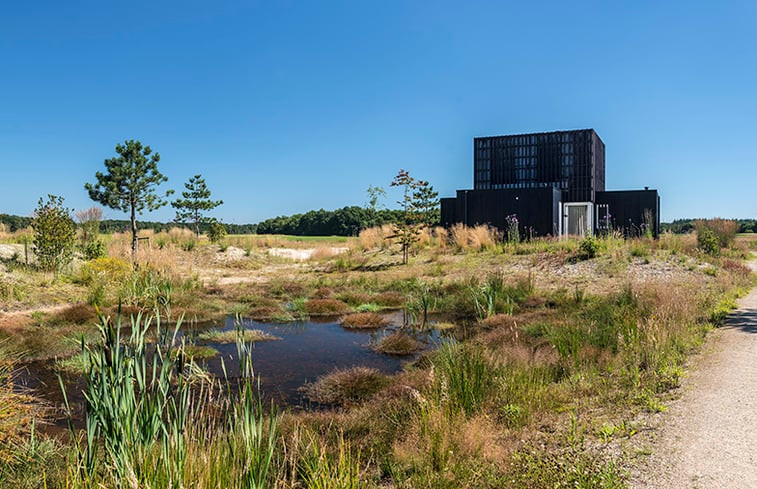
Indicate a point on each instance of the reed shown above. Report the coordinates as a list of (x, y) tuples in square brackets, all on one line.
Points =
[(140, 398)]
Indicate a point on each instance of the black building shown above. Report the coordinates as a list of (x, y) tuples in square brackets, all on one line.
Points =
[(554, 183)]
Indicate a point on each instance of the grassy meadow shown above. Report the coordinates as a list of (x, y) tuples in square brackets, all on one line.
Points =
[(558, 354)]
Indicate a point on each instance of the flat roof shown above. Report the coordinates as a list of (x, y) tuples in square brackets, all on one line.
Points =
[(538, 133)]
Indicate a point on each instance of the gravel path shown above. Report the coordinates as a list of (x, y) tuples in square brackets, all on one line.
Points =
[(709, 438)]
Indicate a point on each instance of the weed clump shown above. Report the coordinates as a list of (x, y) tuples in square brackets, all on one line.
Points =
[(398, 343), (325, 307), (363, 320), (345, 386), (231, 336)]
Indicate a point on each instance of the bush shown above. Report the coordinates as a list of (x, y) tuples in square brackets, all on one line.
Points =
[(94, 249), (54, 234), (715, 232), (216, 232), (708, 242), (588, 248), (111, 270)]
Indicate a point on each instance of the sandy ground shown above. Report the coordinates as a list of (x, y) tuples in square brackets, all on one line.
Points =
[(302, 254), (709, 435), (8, 251)]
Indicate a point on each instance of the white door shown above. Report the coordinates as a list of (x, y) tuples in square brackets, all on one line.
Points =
[(578, 219)]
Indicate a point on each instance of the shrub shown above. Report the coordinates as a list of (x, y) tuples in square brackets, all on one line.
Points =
[(724, 230), (708, 242), (105, 269), (54, 234), (89, 223), (216, 232), (588, 248), (94, 249)]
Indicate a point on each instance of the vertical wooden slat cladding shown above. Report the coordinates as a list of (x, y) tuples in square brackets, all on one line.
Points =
[(572, 161)]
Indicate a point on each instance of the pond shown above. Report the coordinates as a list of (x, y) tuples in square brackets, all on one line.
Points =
[(306, 350)]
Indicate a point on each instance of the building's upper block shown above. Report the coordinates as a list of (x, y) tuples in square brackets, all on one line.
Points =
[(571, 161)]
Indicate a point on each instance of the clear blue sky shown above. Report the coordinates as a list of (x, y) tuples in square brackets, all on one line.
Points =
[(286, 106)]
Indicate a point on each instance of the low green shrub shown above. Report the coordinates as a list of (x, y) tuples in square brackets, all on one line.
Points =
[(588, 248), (708, 242)]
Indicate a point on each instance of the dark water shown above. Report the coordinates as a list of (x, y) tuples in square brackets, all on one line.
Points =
[(306, 351)]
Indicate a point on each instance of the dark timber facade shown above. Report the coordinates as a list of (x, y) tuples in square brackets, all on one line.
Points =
[(554, 183)]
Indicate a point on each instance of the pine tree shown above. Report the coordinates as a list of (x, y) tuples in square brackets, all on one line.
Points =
[(130, 183), (196, 201)]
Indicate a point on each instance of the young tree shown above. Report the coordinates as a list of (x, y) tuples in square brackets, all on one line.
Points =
[(130, 183), (374, 195), (89, 223), (195, 203), (419, 208), (406, 226), (54, 234), (426, 203)]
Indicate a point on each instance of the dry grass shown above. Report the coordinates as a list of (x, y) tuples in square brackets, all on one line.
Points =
[(325, 307), (398, 343), (77, 314), (375, 237), (473, 238), (324, 253), (19, 236), (347, 386), (389, 299), (231, 336), (365, 320), (164, 260), (440, 237)]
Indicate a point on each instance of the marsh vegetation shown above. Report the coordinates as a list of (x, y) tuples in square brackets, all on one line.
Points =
[(550, 359)]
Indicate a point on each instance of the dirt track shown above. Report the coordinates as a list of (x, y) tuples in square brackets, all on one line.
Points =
[(709, 438)]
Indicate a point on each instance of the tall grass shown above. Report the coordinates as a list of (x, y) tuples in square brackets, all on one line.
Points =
[(465, 377), (473, 238), (139, 403)]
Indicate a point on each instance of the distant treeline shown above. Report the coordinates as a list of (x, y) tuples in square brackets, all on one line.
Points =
[(15, 223), (682, 226), (347, 221), (118, 225)]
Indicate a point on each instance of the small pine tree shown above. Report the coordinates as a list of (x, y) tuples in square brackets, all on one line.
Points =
[(426, 203), (195, 202), (130, 184), (54, 234)]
